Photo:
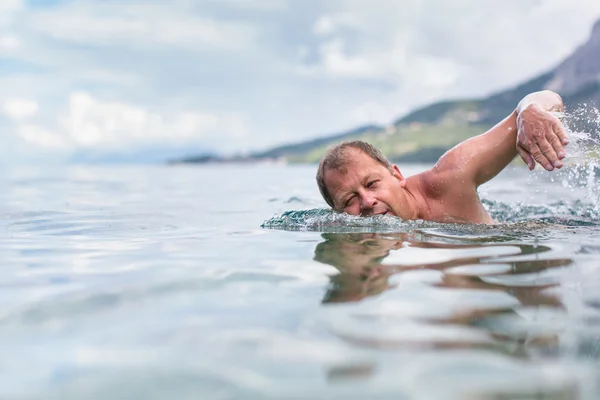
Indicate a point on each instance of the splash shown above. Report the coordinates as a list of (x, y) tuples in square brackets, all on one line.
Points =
[(324, 220), (328, 221), (575, 213), (578, 178), (583, 127), (582, 163)]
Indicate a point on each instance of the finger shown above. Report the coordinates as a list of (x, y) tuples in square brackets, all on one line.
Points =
[(561, 132), (554, 141), (548, 152), (526, 157), (539, 157)]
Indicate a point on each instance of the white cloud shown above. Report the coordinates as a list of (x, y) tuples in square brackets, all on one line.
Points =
[(106, 76), (19, 109), (92, 123), (437, 72), (10, 5), (140, 24), (393, 65), (262, 5), (335, 61), (8, 43), (8, 9), (330, 24), (371, 111), (40, 137), (421, 51)]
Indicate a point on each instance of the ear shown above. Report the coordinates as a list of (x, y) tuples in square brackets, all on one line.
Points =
[(398, 175)]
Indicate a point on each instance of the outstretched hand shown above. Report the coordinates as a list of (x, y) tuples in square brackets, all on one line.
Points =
[(541, 137)]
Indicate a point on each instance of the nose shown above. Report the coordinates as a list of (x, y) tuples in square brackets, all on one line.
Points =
[(367, 203)]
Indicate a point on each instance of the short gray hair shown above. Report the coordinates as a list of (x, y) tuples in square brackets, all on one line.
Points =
[(336, 159)]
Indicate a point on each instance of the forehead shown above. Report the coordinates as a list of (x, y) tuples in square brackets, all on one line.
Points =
[(357, 160), (356, 167)]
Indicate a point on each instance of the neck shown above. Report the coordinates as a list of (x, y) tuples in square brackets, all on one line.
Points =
[(418, 204)]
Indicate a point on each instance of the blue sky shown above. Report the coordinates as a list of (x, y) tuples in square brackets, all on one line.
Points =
[(157, 77)]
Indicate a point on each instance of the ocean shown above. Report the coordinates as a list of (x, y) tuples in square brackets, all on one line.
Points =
[(236, 282)]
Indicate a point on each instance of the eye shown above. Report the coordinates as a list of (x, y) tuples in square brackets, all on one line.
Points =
[(347, 203), (372, 183), (371, 243)]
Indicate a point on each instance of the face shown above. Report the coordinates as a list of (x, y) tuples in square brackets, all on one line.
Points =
[(366, 187)]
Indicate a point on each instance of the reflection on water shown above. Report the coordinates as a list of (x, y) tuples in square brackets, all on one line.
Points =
[(496, 298), (364, 270)]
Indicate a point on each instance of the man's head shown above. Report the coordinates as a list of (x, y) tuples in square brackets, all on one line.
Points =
[(356, 178)]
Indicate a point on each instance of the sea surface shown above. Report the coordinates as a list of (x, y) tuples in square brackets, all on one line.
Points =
[(236, 282)]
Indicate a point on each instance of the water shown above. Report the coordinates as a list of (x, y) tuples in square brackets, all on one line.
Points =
[(232, 282)]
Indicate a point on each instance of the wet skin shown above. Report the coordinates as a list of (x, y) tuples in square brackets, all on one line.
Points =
[(366, 187)]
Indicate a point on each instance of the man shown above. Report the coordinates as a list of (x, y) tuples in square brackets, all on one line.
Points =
[(355, 178)]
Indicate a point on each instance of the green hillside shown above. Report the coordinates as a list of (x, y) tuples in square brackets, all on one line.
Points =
[(423, 135), (402, 143)]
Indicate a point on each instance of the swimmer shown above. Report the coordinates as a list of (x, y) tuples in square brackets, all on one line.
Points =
[(357, 179)]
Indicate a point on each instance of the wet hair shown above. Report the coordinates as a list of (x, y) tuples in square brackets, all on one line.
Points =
[(336, 159)]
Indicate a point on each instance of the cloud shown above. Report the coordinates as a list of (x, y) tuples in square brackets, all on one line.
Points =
[(92, 123), (8, 43), (140, 24), (484, 46), (333, 23), (8, 8), (236, 75), (411, 53), (335, 61), (263, 5), (10, 5), (18, 109), (42, 138)]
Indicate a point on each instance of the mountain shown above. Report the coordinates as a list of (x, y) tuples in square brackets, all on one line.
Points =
[(426, 133), (578, 77)]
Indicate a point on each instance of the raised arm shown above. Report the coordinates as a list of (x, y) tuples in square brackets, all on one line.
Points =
[(540, 138)]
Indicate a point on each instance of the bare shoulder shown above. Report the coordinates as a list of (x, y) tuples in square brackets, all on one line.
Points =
[(429, 183), (449, 196), (444, 178)]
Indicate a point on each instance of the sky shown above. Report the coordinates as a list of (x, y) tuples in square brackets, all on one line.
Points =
[(148, 80)]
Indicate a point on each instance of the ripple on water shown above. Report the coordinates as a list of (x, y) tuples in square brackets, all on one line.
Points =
[(479, 269), (420, 290)]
